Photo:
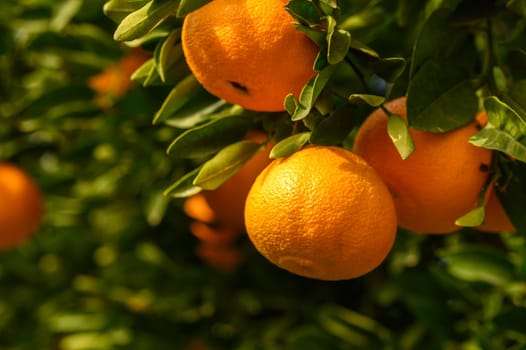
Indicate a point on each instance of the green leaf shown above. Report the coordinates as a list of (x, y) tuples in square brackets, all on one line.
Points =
[(65, 13), (337, 319), (518, 6), (304, 12), (202, 107), (168, 54), (371, 100), (155, 208), (472, 219), (517, 63), (513, 195), (290, 104), (141, 21), (515, 98), (389, 69), (333, 129), (440, 98), (289, 145), (338, 42), (141, 74), (317, 36), (187, 6), (511, 319), (177, 98), (225, 164), (361, 48), (117, 10), (479, 264), (400, 136), (208, 138), (431, 38), (505, 131), (311, 91), (184, 186)]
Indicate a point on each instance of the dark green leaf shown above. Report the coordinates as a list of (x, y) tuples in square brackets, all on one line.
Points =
[(289, 145), (431, 38), (519, 6), (400, 136), (513, 196), (511, 318), (117, 10), (359, 47), (317, 36), (304, 11), (440, 98), (177, 98), (389, 69), (141, 21), (333, 129), (515, 98), (517, 63), (474, 264), (225, 164), (208, 138), (187, 6), (168, 54), (338, 42), (184, 186), (202, 107), (311, 91)]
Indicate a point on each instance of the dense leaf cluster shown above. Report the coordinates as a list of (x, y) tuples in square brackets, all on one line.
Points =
[(114, 266)]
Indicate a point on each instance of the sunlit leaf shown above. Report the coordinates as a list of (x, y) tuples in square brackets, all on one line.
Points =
[(371, 100), (117, 10), (177, 98), (141, 21), (208, 138), (225, 164), (400, 136), (168, 53), (504, 131), (311, 91), (473, 218), (289, 145), (66, 11), (184, 186), (338, 42)]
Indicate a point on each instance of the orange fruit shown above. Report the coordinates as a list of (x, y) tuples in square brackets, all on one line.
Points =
[(114, 81), (247, 52), (224, 258), (438, 183), (227, 203), (197, 208), (20, 206), (214, 235), (321, 213)]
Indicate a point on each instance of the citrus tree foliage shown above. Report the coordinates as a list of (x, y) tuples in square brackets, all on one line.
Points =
[(113, 266)]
